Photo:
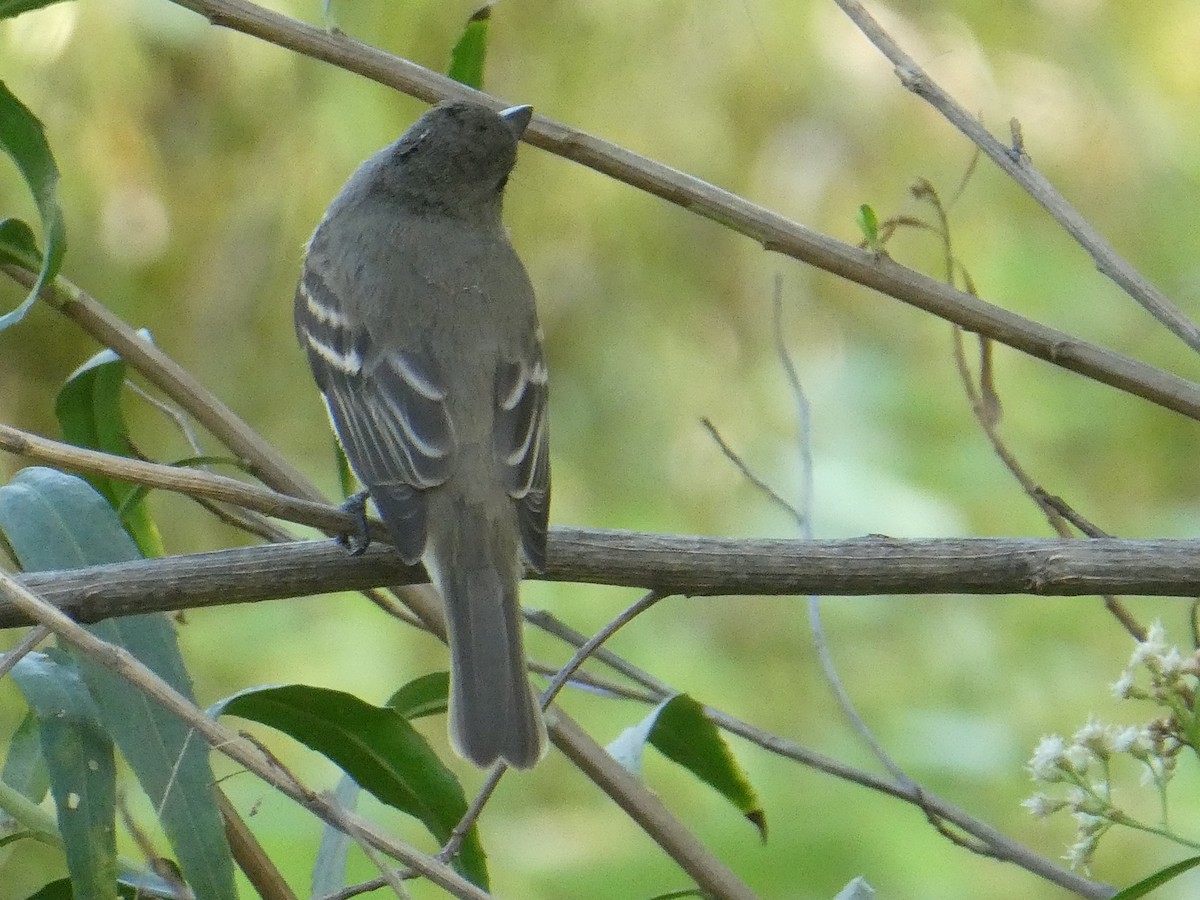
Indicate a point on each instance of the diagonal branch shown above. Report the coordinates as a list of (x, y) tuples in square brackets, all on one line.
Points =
[(773, 231), (1014, 161)]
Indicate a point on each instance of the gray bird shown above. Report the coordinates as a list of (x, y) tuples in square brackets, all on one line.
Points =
[(419, 323)]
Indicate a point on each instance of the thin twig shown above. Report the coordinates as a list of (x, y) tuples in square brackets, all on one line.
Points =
[(763, 488), (995, 842), (24, 647), (804, 516)]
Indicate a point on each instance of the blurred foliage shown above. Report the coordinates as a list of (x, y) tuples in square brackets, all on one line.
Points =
[(196, 161)]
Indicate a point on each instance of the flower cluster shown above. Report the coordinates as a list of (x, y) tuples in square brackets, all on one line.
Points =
[(1083, 765)]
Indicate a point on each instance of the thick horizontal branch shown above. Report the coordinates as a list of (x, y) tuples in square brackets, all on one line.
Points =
[(670, 564)]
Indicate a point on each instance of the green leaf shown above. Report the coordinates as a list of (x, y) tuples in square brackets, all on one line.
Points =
[(24, 767), (868, 224), (57, 521), (24, 140), (9, 8), (88, 408), (83, 775), (469, 54), (1157, 880), (18, 244), (683, 734), (55, 890), (134, 890), (377, 747), (424, 696)]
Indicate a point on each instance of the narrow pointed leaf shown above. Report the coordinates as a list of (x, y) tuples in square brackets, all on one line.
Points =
[(424, 696), (470, 53), (1158, 879), (683, 734), (24, 140), (88, 408), (329, 868), (83, 775), (374, 745), (24, 767)]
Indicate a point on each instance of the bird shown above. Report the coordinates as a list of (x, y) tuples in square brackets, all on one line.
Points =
[(420, 326)]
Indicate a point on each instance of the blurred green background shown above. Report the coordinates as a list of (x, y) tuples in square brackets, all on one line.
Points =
[(197, 161)]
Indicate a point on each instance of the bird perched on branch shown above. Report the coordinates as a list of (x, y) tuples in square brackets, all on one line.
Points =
[(419, 323)]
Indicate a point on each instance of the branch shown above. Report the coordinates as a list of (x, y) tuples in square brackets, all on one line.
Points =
[(671, 564), (1014, 161), (773, 231)]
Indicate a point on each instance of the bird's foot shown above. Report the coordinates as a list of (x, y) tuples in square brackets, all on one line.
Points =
[(359, 540)]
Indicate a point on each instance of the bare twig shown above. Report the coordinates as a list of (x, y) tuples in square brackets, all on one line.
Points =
[(24, 647), (804, 516), (740, 464)]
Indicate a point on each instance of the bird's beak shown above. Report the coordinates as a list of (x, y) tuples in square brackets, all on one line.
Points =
[(517, 118)]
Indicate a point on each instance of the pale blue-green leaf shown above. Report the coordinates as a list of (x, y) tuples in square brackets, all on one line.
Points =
[(83, 776), (329, 868)]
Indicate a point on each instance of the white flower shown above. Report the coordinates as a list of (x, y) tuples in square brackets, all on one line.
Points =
[(1122, 687), (1079, 856), (1078, 758), (1046, 762), (1094, 736), (1155, 644), (1171, 661), (1132, 740), (1042, 806)]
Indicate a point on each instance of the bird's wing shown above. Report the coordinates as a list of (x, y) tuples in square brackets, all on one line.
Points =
[(387, 408), (522, 447)]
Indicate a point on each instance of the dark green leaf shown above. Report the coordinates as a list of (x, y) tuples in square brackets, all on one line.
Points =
[(24, 767), (9, 8), (468, 56), (55, 890), (374, 745), (424, 696), (88, 408), (57, 521), (18, 245), (23, 139), (1158, 879), (83, 775), (682, 733), (345, 474), (61, 890)]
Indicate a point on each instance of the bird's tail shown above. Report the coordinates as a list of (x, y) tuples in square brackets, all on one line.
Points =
[(493, 712)]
